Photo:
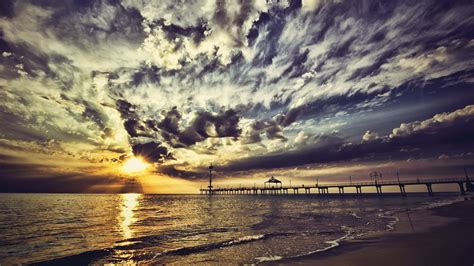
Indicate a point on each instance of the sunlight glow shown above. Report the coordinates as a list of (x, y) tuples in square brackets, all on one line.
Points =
[(129, 203), (134, 165)]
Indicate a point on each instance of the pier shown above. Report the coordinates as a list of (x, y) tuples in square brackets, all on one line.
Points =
[(339, 188)]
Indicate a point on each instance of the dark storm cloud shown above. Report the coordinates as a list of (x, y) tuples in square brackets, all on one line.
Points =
[(355, 46), (120, 23), (33, 63), (225, 124), (92, 113), (125, 108), (171, 170), (146, 74), (189, 137), (136, 128), (268, 50), (382, 49), (6, 8), (273, 131), (263, 18), (170, 122), (226, 21), (450, 132), (132, 123), (374, 68), (73, 23), (297, 67), (272, 128), (206, 125), (152, 151), (195, 33), (288, 118)]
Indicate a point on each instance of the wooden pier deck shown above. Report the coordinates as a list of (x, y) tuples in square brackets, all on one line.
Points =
[(323, 189)]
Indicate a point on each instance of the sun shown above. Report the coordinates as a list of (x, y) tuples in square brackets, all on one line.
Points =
[(135, 165)]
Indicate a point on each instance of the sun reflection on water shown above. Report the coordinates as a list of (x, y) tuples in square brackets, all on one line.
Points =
[(129, 203)]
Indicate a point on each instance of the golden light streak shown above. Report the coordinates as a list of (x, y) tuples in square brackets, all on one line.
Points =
[(129, 203)]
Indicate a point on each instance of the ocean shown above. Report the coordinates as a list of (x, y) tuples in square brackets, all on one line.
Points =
[(185, 229)]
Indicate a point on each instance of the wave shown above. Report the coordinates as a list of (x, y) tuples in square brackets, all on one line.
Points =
[(153, 240), (144, 242), (245, 239), (268, 259), (79, 259), (349, 232), (93, 255), (439, 203), (336, 242), (210, 246), (395, 219), (237, 241)]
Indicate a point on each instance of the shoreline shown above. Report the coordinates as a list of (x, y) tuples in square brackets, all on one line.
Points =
[(442, 235)]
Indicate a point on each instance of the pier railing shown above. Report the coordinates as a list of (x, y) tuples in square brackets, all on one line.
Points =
[(323, 188)]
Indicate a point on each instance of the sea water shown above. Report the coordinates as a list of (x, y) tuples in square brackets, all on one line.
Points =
[(183, 229)]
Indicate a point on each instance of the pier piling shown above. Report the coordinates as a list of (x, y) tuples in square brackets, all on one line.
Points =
[(461, 187), (402, 190), (324, 189), (430, 189)]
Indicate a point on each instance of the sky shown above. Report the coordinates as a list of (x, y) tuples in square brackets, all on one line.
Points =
[(310, 90)]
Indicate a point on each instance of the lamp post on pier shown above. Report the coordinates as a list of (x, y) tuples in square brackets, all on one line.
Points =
[(210, 178)]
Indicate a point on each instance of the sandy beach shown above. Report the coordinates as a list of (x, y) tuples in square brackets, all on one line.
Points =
[(439, 236)]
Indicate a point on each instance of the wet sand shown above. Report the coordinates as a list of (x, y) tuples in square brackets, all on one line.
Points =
[(440, 236)]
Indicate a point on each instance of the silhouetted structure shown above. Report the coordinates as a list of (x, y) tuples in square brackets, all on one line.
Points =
[(272, 180), (210, 179), (324, 189), (469, 185)]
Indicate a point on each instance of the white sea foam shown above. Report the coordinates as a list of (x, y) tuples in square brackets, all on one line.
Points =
[(331, 244), (439, 203), (391, 224), (334, 243), (291, 230), (269, 258), (243, 239), (355, 215)]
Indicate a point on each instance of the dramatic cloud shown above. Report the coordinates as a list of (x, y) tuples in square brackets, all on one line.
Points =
[(458, 121), (151, 151), (448, 131), (245, 85), (206, 124)]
